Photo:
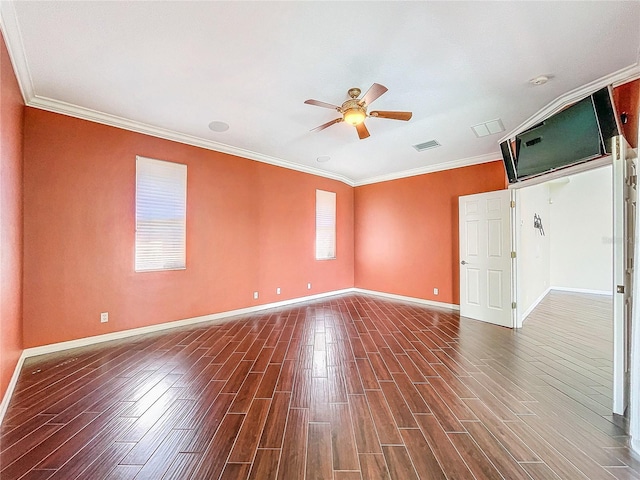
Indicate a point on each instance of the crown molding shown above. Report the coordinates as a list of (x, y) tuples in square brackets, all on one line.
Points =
[(10, 28), (623, 75), (463, 162), (76, 111), (13, 39)]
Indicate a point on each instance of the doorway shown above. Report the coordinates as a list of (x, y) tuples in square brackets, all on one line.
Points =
[(564, 239), (579, 254)]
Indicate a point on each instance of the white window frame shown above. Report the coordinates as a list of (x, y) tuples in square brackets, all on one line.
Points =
[(161, 190), (325, 225)]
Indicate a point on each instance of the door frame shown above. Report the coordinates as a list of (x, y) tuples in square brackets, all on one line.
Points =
[(634, 404), (626, 251), (619, 249)]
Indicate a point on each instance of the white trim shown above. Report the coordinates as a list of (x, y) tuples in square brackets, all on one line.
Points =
[(11, 387), (514, 234), (463, 162), (634, 370), (83, 342), (402, 298), (222, 316), (534, 305), (634, 381), (621, 239), (83, 113), (563, 172), (583, 290), (213, 317), (76, 111), (13, 38), (623, 75)]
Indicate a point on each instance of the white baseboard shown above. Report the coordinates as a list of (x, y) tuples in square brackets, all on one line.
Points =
[(214, 317), (582, 290), (534, 305), (83, 342), (420, 301), (219, 317), (11, 387)]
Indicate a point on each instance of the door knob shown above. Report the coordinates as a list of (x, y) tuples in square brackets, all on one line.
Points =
[(463, 262)]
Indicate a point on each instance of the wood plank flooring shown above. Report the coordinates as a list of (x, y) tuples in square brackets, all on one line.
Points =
[(353, 387)]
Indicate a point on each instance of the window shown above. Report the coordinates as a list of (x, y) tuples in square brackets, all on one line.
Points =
[(325, 225), (161, 200)]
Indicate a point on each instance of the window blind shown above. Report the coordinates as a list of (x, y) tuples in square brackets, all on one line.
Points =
[(325, 225), (161, 201)]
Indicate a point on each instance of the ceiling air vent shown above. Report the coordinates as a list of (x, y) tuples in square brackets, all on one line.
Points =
[(426, 145), (488, 128)]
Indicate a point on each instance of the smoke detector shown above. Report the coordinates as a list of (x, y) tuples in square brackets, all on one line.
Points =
[(540, 80)]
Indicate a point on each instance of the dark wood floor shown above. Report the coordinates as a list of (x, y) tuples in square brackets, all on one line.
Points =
[(353, 387)]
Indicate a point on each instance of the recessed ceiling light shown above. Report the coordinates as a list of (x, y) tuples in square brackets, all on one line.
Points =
[(323, 158), (219, 126), (540, 80)]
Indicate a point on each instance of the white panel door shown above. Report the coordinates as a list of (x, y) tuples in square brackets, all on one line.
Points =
[(485, 257)]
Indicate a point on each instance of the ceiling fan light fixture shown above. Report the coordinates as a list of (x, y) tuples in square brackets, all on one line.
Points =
[(354, 110), (355, 116)]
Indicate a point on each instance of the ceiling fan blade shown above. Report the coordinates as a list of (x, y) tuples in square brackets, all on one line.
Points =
[(374, 92), (392, 115), (318, 103), (325, 125), (362, 131)]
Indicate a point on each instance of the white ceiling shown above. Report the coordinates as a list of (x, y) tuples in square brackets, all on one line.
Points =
[(171, 68)]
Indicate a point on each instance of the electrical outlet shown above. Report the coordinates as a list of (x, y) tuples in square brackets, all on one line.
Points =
[(308, 286), (278, 291), (104, 317), (255, 295), (435, 291)]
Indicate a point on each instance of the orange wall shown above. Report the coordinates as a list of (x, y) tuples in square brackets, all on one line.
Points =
[(406, 239), (11, 122), (627, 100), (250, 226)]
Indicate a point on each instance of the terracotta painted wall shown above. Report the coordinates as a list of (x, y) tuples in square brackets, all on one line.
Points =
[(250, 227), (407, 231), (627, 100), (11, 123)]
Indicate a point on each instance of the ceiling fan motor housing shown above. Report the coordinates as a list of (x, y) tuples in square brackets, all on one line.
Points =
[(354, 92), (353, 112)]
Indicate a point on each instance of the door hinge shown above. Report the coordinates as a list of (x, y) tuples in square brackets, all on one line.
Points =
[(513, 254), (513, 305), (512, 204), (620, 289)]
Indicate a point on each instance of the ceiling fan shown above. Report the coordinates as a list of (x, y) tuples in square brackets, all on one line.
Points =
[(354, 110)]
